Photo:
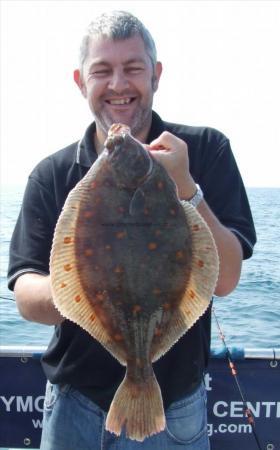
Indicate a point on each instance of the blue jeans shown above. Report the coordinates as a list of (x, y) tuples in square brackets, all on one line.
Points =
[(73, 422)]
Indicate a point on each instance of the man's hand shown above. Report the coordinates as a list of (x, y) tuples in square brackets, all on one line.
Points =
[(172, 153)]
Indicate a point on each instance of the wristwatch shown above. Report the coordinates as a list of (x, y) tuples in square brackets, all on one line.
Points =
[(198, 196)]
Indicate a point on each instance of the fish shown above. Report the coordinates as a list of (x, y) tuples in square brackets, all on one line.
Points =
[(135, 267)]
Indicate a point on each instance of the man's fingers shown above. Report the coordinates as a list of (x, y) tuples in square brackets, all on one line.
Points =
[(164, 142)]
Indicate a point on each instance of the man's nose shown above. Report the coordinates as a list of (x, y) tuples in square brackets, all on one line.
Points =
[(118, 81)]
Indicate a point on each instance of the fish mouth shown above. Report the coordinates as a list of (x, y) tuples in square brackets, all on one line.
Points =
[(112, 142), (116, 136)]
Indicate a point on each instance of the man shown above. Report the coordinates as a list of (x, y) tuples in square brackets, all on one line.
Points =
[(118, 75)]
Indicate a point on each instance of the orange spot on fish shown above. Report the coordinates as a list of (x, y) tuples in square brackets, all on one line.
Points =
[(156, 291), (67, 240), (67, 267), (78, 298), (118, 337), (136, 309), (200, 263), (92, 317), (63, 285), (93, 185), (196, 227), (179, 255), (120, 234), (118, 269), (172, 212), (152, 246), (139, 363), (100, 296), (166, 306), (160, 185), (192, 293), (88, 214), (158, 332), (88, 252)]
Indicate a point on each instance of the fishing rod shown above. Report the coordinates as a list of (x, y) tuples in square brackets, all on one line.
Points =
[(247, 410), (6, 298)]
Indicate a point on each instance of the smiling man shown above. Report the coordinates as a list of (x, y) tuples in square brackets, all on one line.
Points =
[(119, 75), (119, 79)]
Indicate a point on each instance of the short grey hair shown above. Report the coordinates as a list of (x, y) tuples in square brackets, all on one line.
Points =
[(118, 25)]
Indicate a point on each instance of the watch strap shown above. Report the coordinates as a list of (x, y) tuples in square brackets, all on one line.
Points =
[(198, 196)]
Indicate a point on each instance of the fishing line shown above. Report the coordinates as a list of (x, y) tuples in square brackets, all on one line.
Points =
[(247, 411), (6, 298)]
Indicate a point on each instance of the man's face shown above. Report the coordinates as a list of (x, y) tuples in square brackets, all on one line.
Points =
[(119, 83)]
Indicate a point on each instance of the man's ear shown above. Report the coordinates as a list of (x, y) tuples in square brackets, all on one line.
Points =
[(79, 82), (156, 75)]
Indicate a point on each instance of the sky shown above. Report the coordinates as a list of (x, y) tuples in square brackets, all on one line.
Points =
[(221, 68)]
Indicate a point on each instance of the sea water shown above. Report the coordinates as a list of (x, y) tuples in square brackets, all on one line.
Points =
[(249, 317)]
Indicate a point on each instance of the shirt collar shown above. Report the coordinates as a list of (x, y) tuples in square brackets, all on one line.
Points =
[(86, 152)]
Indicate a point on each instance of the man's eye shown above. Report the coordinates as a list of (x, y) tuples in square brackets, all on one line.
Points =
[(100, 73), (134, 69)]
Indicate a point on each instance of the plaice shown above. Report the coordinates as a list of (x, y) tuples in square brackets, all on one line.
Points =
[(135, 268)]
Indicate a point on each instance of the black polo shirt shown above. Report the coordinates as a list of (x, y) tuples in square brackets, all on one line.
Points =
[(73, 356)]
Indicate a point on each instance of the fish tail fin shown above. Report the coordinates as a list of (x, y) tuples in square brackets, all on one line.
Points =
[(137, 407)]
